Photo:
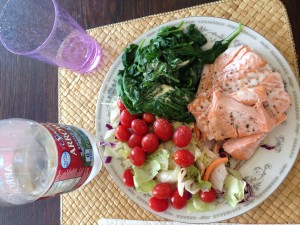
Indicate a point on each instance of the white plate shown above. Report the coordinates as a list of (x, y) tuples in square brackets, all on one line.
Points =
[(265, 170)]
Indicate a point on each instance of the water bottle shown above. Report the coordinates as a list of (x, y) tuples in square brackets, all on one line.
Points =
[(40, 160)]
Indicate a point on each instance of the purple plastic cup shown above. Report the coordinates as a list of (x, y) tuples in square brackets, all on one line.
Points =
[(44, 31)]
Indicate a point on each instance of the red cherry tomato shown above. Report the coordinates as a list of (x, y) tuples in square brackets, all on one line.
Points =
[(128, 178), (158, 205), (122, 133), (208, 196), (184, 158), (162, 190), (135, 140), (182, 136), (163, 129), (177, 201), (120, 104), (148, 117), (137, 156), (149, 143), (126, 118), (139, 126)]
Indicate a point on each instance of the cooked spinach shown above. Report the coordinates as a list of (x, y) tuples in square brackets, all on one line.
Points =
[(163, 77)]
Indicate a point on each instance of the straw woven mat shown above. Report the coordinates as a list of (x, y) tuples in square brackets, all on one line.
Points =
[(101, 198)]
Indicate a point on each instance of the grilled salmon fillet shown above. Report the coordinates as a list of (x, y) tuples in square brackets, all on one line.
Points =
[(240, 99)]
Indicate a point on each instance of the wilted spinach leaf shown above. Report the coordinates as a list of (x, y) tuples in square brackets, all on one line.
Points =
[(163, 77)]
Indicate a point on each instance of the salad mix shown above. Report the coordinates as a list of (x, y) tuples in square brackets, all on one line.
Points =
[(170, 161)]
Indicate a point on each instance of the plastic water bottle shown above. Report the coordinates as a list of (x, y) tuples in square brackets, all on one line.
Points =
[(39, 160)]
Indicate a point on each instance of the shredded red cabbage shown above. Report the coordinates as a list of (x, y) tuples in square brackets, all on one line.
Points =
[(222, 154), (249, 194), (188, 195), (108, 159), (107, 144), (108, 126), (267, 147)]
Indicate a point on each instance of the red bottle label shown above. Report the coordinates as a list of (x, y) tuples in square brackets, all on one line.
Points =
[(75, 158)]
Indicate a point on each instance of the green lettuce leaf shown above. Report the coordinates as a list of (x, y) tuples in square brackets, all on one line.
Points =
[(234, 173), (110, 136), (144, 187), (144, 175), (146, 172), (161, 155), (196, 205), (194, 174), (168, 176), (234, 190), (120, 150)]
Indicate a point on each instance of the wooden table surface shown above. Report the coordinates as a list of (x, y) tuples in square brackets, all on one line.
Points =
[(29, 87)]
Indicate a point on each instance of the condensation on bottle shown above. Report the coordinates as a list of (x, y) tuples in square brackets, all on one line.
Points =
[(40, 160)]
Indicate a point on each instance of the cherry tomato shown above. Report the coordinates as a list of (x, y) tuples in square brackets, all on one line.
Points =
[(128, 178), (149, 143), (184, 158), (182, 136), (126, 118), (208, 196), (162, 190), (137, 156), (158, 205), (122, 133), (148, 117), (163, 129), (139, 126), (177, 201), (120, 104), (135, 140)]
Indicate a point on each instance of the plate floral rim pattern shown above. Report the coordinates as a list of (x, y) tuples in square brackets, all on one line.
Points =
[(265, 170)]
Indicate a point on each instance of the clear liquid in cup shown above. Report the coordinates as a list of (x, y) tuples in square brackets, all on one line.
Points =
[(79, 52)]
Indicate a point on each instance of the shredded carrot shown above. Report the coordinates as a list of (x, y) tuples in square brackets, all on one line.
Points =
[(213, 165), (196, 131)]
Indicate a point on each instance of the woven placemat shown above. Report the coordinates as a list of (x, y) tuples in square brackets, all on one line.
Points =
[(78, 94)]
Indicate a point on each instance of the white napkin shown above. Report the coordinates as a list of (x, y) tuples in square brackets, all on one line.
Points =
[(140, 222), (135, 222)]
